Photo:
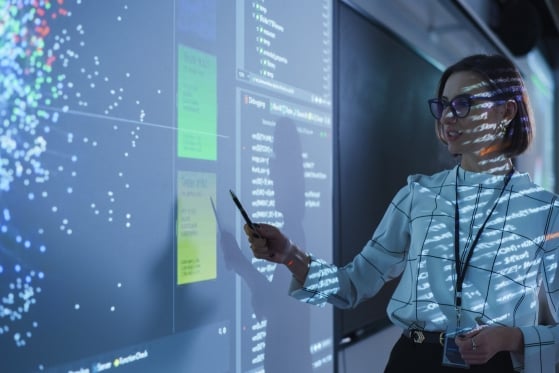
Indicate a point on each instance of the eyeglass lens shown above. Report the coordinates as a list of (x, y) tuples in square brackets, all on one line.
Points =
[(460, 107)]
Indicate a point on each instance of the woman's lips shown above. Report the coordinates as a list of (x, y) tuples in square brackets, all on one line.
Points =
[(452, 135)]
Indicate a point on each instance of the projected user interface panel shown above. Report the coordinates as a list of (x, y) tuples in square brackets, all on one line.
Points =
[(120, 247)]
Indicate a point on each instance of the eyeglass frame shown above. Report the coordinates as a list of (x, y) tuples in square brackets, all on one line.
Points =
[(446, 103)]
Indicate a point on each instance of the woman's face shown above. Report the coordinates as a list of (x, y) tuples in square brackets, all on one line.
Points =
[(478, 136)]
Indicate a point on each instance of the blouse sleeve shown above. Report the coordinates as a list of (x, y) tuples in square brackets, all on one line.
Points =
[(381, 259), (541, 342)]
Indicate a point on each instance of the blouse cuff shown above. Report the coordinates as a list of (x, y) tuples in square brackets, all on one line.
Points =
[(539, 350), (320, 283)]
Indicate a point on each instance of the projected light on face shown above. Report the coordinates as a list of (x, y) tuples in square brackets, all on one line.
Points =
[(42, 64), (469, 125), (474, 115)]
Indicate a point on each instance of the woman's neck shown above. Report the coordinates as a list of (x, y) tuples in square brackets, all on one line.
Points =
[(500, 165)]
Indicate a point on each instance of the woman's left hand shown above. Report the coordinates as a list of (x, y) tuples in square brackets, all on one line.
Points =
[(481, 344)]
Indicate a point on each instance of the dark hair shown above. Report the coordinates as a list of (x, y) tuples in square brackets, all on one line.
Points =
[(506, 81)]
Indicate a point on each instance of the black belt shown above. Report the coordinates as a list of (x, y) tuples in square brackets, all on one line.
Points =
[(422, 336)]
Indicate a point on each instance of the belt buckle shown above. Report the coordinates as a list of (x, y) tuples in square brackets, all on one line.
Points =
[(418, 336)]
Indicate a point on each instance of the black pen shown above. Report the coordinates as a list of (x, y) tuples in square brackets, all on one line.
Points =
[(243, 212)]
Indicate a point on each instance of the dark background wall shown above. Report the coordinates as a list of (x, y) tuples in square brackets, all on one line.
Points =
[(385, 133)]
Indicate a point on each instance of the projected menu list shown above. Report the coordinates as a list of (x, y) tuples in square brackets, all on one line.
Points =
[(276, 54), (283, 70), (287, 184)]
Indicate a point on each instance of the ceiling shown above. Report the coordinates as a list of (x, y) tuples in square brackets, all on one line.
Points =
[(522, 25), (447, 30), (549, 43)]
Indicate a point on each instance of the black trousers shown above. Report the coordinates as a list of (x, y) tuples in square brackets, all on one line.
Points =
[(407, 356)]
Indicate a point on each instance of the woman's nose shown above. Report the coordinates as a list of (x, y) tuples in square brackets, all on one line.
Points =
[(448, 115)]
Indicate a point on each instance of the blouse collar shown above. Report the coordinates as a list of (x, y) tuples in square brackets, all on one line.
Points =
[(471, 177)]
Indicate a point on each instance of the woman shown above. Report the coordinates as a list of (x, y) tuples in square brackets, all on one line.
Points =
[(473, 244)]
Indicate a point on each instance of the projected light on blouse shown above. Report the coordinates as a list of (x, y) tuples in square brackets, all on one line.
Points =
[(502, 282)]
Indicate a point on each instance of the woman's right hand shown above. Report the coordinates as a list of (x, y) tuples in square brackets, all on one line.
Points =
[(268, 242)]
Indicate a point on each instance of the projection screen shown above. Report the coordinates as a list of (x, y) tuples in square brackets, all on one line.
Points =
[(125, 124)]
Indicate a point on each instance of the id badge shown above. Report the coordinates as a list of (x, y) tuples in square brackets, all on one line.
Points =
[(451, 353)]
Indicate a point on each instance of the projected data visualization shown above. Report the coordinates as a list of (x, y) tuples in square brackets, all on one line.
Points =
[(79, 128), (124, 126)]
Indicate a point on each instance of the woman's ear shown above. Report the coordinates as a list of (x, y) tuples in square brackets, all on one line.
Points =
[(510, 110)]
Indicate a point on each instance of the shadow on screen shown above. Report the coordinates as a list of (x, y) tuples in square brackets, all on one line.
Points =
[(287, 340)]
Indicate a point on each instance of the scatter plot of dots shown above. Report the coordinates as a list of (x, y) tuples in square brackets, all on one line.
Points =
[(79, 121)]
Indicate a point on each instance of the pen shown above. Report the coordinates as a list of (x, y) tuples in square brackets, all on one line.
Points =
[(243, 212)]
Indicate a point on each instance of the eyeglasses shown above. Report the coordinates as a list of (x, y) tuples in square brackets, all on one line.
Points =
[(459, 105)]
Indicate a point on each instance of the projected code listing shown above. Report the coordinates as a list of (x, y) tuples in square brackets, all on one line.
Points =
[(274, 49), (282, 143), (286, 127)]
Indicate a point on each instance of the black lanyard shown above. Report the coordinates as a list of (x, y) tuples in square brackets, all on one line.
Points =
[(461, 270)]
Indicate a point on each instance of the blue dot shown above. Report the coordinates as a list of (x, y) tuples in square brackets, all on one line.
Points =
[(17, 268)]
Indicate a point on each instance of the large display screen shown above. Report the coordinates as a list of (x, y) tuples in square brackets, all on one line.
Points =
[(124, 125)]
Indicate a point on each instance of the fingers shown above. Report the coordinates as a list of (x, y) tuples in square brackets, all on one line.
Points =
[(474, 344), (267, 242), (249, 231), (258, 242), (473, 348)]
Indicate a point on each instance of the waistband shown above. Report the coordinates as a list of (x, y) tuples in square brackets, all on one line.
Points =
[(422, 336)]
